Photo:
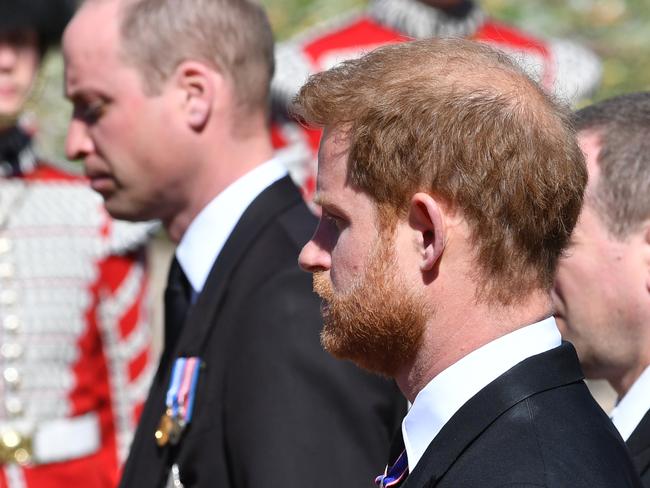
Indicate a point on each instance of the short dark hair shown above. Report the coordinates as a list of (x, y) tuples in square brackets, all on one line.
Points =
[(622, 125), (461, 121)]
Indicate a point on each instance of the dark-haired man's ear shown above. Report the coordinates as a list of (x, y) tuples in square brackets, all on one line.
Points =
[(197, 84), (426, 217)]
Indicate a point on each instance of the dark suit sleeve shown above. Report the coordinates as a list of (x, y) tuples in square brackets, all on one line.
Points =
[(641, 459), (295, 417), (639, 445), (521, 485)]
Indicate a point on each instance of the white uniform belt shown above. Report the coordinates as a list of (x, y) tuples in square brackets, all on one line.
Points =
[(50, 441)]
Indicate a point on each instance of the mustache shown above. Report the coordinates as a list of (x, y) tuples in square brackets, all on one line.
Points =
[(322, 286)]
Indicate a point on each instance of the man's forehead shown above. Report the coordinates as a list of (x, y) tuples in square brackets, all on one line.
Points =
[(91, 45), (333, 185), (335, 193), (333, 149), (590, 144), (94, 29), (590, 218)]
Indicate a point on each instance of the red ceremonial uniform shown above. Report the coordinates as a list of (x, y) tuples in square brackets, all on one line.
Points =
[(75, 352), (562, 67)]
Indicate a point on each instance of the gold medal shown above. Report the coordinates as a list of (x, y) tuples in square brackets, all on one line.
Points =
[(164, 429), (179, 400), (175, 431)]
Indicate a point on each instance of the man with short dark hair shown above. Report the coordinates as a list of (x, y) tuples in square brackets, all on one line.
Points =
[(171, 119), (76, 358), (449, 184), (602, 289)]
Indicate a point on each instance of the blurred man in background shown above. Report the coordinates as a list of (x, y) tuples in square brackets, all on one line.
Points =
[(171, 103), (602, 288), (74, 334), (449, 183), (562, 67)]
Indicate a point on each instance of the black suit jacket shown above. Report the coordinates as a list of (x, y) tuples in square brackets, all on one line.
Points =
[(535, 426), (272, 408), (639, 446)]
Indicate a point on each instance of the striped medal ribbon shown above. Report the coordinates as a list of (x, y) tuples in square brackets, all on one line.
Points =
[(179, 401), (394, 474)]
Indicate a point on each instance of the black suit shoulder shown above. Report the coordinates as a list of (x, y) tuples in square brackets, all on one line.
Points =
[(639, 446), (275, 247), (536, 425), (557, 438)]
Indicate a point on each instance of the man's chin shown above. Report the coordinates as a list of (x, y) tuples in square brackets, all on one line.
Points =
[(122, 211), (104, 185), (361, 361), (372, 357)]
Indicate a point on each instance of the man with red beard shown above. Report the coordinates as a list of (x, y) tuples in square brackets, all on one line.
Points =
[(449, 184)]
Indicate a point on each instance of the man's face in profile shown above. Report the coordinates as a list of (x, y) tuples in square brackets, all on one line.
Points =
[(595, 283), (370, 316), (123, 134)]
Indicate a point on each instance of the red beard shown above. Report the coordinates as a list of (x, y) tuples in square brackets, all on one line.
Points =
[(379, 323)]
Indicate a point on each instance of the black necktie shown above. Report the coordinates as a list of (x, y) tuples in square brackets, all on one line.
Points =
[(177, 303)]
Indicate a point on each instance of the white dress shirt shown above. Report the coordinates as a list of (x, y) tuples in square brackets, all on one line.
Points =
[(208, 232), (445, 394), (631, 409)]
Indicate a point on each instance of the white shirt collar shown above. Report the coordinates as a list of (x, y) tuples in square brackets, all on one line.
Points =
[(208, 232), (445, 394), (631, 409)]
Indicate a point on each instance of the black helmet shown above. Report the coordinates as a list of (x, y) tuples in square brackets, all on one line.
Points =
[(47, 17)]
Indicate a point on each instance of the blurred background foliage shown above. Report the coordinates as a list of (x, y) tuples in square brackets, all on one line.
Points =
[(617, 30)]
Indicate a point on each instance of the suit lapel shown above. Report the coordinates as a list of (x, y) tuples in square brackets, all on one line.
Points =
[(199, 323), (538, 373), (639, 444)]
